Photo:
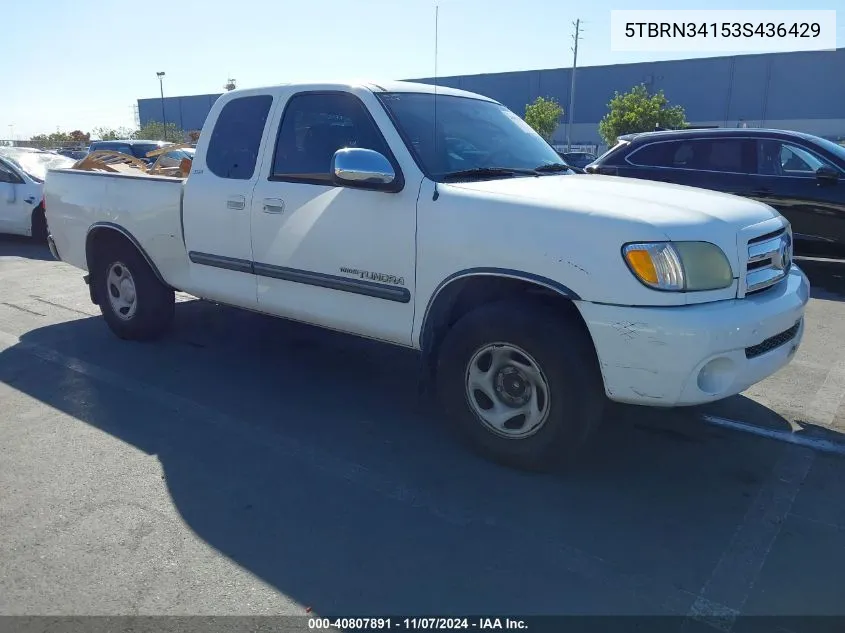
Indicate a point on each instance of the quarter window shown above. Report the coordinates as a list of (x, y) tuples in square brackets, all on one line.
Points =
[(236, 138), (314, 127), (653, 155)]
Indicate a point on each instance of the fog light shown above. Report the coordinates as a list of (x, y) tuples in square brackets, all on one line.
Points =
[(716, 376)]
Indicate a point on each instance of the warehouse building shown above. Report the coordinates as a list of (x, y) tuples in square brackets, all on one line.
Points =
[(795, 91)]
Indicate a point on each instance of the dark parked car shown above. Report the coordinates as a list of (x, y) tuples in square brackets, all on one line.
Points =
[(800, 175), (75, 154), (577, 159)]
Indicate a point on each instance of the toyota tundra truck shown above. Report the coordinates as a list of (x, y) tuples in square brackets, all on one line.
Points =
[(438, 220)]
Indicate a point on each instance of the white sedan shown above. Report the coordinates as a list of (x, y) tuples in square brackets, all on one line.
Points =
[(22, 172)]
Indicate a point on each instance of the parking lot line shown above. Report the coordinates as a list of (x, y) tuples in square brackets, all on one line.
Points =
[(724, 596), (815, 443)]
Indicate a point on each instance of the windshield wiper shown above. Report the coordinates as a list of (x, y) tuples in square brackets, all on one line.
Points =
[(488, 172), (552, 167)]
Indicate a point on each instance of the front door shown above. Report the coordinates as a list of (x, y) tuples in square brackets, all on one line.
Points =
[(17, 200), (786, 179), (339, 257), (217, 200)]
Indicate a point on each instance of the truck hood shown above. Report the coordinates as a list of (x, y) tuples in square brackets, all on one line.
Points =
[(675, 210)]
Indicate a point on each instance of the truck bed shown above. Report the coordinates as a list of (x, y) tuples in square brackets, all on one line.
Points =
[(144, 206)]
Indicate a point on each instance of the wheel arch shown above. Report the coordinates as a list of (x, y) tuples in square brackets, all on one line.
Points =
[(470, 288), (38, 208), (100, 233)]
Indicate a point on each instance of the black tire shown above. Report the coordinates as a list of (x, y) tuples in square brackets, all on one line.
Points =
[(566, 358), (39, 226), (155, 302)]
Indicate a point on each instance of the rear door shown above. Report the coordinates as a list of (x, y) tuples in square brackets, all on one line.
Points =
[(218, 196)]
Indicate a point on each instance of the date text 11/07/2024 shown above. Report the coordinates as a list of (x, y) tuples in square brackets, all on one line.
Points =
[(423, 623), (722, 29)]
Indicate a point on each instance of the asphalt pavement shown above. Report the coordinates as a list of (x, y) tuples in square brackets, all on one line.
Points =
[(247, 465)]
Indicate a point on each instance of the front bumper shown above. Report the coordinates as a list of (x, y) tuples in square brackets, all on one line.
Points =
[(693, 354)]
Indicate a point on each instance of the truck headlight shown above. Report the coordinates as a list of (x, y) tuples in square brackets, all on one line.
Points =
[(679, 266)]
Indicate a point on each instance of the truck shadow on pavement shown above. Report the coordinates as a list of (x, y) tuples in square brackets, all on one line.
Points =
[(308, 459), (25, 247), (827, 278)]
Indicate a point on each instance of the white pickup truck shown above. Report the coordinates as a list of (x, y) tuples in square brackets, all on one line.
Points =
[(439, 221)]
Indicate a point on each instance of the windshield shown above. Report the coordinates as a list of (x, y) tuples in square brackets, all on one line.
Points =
[(34, 163), (470, 134), (833, 148)]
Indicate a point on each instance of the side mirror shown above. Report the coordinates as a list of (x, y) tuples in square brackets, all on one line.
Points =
[(827, 174), (364, 169)]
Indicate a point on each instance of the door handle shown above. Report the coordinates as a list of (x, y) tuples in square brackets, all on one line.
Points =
[(274, 205), (29, 200), (236, 202)]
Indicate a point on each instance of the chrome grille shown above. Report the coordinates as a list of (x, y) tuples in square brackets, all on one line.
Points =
[(769, 260)]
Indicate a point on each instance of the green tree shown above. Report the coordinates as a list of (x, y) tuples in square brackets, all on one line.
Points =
[(112, 134), (78, 136), (53, 138), (544, 116), (155, 131), (638, 111)]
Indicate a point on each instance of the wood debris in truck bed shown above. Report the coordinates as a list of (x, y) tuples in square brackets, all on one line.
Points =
[(118, 162)]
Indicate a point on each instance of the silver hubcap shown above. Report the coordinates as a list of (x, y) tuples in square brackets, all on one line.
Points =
[(507, 390), (121, 289)]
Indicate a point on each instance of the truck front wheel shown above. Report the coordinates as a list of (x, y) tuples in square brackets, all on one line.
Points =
[(522, 384), (134, 303)]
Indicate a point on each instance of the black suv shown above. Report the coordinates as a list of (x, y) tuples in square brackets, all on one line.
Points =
[(800, 175)]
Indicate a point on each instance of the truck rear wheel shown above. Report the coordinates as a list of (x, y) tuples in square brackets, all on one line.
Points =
[(134, 303), (522, 384)]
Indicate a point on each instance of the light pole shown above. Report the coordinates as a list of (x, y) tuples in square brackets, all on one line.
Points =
[(160, 76), (576, 37)]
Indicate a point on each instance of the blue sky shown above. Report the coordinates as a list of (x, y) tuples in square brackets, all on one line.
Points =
[(80, 64)]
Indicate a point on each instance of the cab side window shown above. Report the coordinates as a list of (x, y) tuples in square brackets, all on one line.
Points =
[(314, 126), (236, 138)]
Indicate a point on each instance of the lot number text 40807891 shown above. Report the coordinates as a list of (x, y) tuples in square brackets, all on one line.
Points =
[(422, 623)]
